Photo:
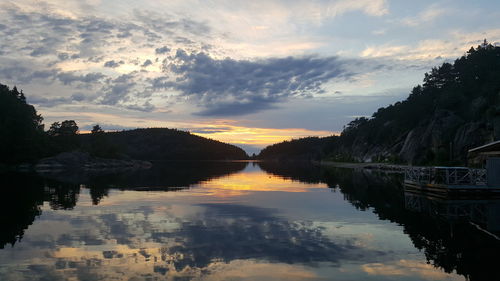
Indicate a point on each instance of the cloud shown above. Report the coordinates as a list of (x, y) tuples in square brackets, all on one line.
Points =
[(209, 130), (113, 64), (36, 33), (146, 63), (369, 7), (40, 32), (168, 24), (178, 240), (235, 87), (40, 51), (427, 16), (78, 96), (117, 89), (20, 72), (71, 77), (126, 91), (162, 50), (16, 73), (48, 101), (63, 56), (429, 50), (405, 268), (144, 107)]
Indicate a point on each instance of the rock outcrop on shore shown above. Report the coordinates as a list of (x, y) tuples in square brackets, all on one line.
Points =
[(83, 160), (443, 137)]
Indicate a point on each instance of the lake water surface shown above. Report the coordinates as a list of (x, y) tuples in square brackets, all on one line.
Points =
[(240, 221)]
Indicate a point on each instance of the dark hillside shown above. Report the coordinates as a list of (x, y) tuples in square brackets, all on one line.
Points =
[(23, 139), (311, 148), (21, 130), (169, 144), (455, 109)]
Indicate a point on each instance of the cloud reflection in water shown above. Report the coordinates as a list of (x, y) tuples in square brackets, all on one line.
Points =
[(198, 233)]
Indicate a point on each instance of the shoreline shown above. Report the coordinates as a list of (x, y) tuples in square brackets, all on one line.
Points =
[(384, 167)]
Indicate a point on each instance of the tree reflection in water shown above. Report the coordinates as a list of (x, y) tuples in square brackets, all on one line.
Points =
[(23, 194), (233, 232), (455, 235), (19, 205)]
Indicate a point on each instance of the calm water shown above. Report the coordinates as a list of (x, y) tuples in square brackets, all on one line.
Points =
[(240, 221)]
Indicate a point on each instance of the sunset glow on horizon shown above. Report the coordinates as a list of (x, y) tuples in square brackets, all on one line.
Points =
[(261, 137)]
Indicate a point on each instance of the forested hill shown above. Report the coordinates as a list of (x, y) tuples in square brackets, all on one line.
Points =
[(21, 129), (456, 108), (24, 140), (167, 144), (310, 148)]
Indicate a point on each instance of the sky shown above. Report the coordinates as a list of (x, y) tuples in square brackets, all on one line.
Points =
[(250, 73)]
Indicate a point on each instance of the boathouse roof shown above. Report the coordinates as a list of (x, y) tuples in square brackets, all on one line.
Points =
[(490, 148)]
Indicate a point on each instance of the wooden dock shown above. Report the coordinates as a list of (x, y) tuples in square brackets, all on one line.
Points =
[(449, 182)]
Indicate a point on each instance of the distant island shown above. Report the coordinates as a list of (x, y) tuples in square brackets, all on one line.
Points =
[(455, 109), (24, 141)]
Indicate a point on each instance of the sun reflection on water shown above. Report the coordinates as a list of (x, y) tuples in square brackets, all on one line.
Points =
[(253, 181)]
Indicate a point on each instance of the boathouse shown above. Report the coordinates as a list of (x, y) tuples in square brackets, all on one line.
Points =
[(489, 156), (465, 181)]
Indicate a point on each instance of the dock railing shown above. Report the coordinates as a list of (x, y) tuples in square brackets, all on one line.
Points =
[(446, 175)]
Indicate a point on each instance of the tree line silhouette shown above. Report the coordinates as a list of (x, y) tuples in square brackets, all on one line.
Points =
[(452, 244), (24, 194), (456, 108), (24, 140)]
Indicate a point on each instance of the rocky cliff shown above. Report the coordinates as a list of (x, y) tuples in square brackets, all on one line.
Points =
[(455, 109), (444, 138)]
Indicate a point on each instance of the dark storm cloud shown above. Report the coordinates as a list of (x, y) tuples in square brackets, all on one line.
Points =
[(235, 87)]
